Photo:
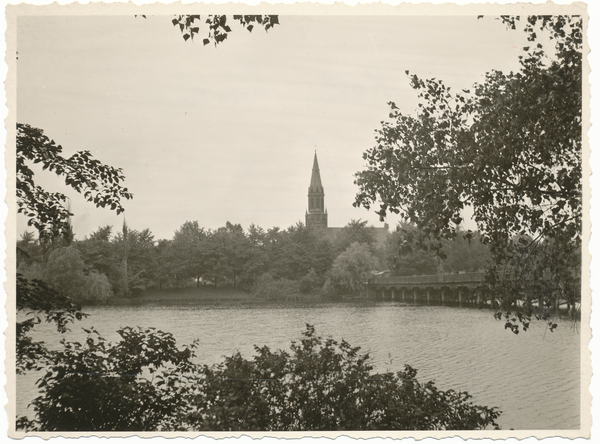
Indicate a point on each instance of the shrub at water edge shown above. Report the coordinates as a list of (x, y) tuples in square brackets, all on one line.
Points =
[(145, 382)]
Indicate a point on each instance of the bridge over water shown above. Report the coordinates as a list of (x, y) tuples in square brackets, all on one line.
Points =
[(450, 287)]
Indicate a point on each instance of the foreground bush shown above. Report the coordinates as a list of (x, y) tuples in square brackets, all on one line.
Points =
[(145, 382)]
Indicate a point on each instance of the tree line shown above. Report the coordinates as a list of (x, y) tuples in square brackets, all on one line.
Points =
[(272, 263)]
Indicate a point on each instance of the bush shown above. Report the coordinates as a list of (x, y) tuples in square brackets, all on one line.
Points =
[(34, 270), (328, 290), (268, 288), (311, 282), (99, 386), (64, 271), (319, 384), (351, 267), (96, 287)]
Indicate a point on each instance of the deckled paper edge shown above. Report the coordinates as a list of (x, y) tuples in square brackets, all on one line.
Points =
[(521, 8)]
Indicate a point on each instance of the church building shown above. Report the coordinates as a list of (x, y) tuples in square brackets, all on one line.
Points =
[(316, 215)]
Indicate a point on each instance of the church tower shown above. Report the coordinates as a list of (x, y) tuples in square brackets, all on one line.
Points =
[(316, 216)]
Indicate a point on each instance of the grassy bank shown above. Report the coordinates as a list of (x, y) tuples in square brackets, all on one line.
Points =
[(203, 294), (215, 294)]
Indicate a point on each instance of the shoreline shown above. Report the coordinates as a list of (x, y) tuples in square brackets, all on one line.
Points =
[(209, 294)]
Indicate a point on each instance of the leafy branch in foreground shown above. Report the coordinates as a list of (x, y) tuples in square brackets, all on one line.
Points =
[(48, 212), (38, 303), (144, 382), (218, 25), (510, 149)]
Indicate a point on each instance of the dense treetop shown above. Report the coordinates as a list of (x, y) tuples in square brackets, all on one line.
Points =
[(510, 148)]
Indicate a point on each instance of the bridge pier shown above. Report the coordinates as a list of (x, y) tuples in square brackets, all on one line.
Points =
[(459, 296), (414, 294), (442, 295), (403, 295), (428, 295), (393, 294)]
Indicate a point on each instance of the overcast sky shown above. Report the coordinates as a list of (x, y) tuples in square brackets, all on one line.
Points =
[(229, 133)]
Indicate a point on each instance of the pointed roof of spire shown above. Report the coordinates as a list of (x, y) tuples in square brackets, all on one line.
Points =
[(315, 180)]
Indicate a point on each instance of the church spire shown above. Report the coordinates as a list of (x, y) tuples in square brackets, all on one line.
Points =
[(316, 215), (315, 180)]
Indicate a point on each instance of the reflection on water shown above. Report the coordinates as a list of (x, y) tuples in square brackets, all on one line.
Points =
[(532, 377)]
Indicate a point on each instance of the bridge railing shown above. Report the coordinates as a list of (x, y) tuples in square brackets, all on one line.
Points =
[(447, 278)]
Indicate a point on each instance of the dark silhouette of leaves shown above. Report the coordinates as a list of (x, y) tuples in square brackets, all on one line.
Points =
[(218, 25), (48, 212), (510, 148), (146, 383)]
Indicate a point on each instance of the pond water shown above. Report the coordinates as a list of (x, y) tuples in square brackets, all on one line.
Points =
[(533, 377)]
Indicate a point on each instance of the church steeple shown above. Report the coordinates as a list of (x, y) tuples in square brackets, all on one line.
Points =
[(316, 217), (315, 179)]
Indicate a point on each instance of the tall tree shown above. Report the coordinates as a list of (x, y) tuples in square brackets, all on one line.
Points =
[(168, 264), (100, 253), (124, 242), (189, 247), (143, 261), (350, 269), (510, 149), (298, 250), (236, 249), (355, 231), (257, 258), (408, 254), (466, 252)]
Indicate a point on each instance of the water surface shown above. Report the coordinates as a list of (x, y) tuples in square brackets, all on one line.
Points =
[(532, 377)]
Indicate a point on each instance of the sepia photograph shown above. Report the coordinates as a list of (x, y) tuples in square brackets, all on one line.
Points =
[(298, 220)]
